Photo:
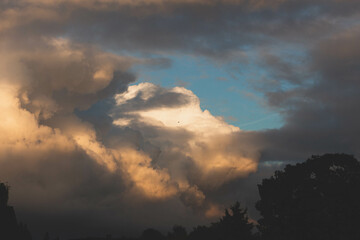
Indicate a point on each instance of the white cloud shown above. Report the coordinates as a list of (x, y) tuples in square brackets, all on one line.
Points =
[(187, 130)]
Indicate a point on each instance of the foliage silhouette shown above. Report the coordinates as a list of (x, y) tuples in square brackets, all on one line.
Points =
[(46, 236), (4, 194), (178, 233), (152, 234), (233, 225), (10, 229), (318, 199)]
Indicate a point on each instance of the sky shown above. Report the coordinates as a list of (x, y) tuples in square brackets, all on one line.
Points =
[(120, 115)]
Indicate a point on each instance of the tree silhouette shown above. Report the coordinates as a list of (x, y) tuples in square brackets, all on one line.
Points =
[(46, 236), (9, 227), (152, 234), (200, 233), (4, 194), (178, 233), (318, 199), (233, 225)]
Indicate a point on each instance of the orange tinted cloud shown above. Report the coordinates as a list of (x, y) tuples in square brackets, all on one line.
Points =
[(210, 143)]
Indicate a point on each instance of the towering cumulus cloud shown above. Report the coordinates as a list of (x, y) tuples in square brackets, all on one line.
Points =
[(157, 146), (194, 149), (52, 157), (87, 147), (173, 119), (198, 151)]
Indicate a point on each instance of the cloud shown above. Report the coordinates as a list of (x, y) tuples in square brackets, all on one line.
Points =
[(182, 127), (47, 153), (319, 114), (219, 29), (51, 154), (75, 135)]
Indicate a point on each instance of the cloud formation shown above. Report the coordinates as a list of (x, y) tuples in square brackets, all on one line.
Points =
[(75, 134), (173, 119), (320, 116), (50, 152)]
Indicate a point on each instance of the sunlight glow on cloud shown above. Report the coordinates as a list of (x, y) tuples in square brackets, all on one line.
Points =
[(151, 182), (20, 132), (208, 138), (196, 149), (188, 116), (75, 134)]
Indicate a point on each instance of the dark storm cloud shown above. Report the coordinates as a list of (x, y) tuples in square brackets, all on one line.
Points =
[(321, 117), (212, 28)]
